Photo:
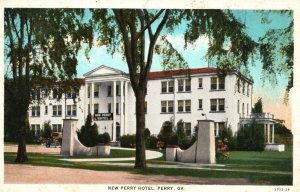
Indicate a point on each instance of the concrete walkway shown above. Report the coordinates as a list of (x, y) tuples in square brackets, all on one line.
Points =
[(149, 155)]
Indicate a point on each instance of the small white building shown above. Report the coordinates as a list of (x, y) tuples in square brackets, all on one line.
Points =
[(188, 94)]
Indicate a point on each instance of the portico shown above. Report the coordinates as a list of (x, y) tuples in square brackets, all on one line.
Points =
[(106, 93), (267, 120)]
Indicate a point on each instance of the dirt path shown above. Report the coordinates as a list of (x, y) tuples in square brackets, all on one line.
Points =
[(55, 175)]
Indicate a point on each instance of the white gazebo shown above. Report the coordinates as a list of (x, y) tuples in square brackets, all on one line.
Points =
[(268, 122)]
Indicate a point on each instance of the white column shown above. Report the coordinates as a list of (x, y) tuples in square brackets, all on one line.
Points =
[(126, 107), (86, 100), (272, 133), (92, 100), (175, 100), (268, 132), (114, 111), (121, 107)]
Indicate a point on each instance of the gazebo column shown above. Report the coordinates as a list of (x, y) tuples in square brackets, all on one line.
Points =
[(273, 133), (268, 132)]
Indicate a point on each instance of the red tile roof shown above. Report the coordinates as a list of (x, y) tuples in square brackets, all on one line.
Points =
[(166, 74)]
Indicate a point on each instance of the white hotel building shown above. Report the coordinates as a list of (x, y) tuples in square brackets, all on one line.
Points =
[(188, 94)]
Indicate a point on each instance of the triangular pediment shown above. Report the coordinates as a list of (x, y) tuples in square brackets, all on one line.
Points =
[(103, 70)]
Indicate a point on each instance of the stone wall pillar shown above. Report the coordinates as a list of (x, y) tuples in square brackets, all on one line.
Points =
[(205, 151), (171, 153), (70, 126)]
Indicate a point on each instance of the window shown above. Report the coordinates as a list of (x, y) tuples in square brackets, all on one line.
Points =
[(167, 86), (213, 83), (217, 105), (109, 90), (200, 83), (108, 107), (247, 108), (243, 87), (35, 94), (56, 110), (213, 104), (184, 85), (170, 106), (187, 129), (71, 94), (89, 91), (200, 103), (171, 86), (180, 106), (221, 104), (221, 83), (36, 128), (248, 88), (96, 108), (184, 105), (71, 110), (238, 106), (56, 94), (188, 85), (164, 86), (188, 105), (89, 109), (96, 91), (238, 86), (180, 85), (218, 127), (243, 109), (163, 106), (117, 109), (46, 110), (35, 111), (118, 90), (167, 106), (56, 128)]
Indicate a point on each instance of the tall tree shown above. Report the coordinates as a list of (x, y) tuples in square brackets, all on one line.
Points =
[(41, 46), (136, 32), (258, 106)]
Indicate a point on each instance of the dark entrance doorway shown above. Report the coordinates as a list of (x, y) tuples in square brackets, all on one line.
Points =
[(118, 131)]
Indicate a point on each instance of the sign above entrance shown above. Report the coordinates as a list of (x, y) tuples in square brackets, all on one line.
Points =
[(103, 117)]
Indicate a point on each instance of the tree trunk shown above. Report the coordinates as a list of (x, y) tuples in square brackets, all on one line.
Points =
[(140, 156), (22, 155)]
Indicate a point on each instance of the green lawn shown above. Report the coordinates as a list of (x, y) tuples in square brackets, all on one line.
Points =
[(237, 166)]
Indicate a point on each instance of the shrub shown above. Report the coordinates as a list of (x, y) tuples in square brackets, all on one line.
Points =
[(47, 131), (88, 134), (172, 139), (186, 142), (166, 134), (151, 142), (226, 135), (104, 138), (251, 137), (30, 137), (222, 153), (128, 141), (147, 133)]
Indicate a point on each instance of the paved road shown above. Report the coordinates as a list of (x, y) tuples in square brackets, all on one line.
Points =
[(56, 175)]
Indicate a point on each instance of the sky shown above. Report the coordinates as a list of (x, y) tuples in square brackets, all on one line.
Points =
[(272, 94)]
